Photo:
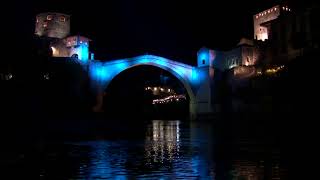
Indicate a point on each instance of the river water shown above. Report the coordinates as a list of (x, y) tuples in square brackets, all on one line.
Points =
[(155, 149)]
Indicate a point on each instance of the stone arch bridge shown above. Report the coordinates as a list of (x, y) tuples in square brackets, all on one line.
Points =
[(197, 80)]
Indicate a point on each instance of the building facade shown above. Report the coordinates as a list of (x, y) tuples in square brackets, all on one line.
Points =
[(54, 28), (53, 25)]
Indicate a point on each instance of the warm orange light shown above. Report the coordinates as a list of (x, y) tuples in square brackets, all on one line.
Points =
[(54, 51), (62, 19), (49, 17)]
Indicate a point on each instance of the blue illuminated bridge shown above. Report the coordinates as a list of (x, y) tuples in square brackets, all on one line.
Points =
[(197, 80)]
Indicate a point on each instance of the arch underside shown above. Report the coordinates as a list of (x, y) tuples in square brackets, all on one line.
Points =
[(185, 83), (110, 70)]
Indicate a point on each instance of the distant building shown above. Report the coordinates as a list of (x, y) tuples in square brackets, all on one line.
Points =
[(54, 28), (244, 54), (291, 34), (72, 46), (53, 25), (280, 35)]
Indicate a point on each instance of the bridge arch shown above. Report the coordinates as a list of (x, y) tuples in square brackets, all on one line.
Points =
[(102, 73)]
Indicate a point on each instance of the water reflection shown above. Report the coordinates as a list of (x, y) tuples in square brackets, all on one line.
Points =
[(166, 150), (162, 142), (107, 161)]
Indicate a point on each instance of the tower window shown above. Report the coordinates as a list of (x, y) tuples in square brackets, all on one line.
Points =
[(49, 17), (62, 19), (203, 62)]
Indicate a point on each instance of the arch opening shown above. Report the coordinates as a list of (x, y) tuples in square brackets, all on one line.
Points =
[(147, 90)]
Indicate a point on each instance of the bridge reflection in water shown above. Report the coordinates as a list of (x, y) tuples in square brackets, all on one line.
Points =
[(164, 150)]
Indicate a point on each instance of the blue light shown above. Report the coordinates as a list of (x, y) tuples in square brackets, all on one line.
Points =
[(203, 56), (161, 62), (143, 60), (121, 66), (195, 75), (180, 70), (83, 53), (99, 72)]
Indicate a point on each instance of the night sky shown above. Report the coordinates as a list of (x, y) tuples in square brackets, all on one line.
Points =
[(126, 28)]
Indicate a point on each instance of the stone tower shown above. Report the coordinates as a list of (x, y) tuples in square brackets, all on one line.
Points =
[(262, 20), (53, 25)]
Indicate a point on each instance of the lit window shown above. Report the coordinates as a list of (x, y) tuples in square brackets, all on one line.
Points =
[(275, 9), (45, 24), (62, 19), (283, 7), (49, 17), (37, 20), (80, 42), (271, 10), (257, 17), (265, 13), (286, 9), (268, 11)]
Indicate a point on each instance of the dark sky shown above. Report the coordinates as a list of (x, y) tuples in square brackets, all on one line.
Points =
[(122, 28)]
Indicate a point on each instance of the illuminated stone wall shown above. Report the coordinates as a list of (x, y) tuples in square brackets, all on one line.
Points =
[(72, 45), (261, 20), (250, 55), (54, 25), (246, 55), (261, 32)]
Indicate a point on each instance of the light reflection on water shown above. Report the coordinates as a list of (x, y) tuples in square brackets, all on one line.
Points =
[(162, 142), (168, 150)]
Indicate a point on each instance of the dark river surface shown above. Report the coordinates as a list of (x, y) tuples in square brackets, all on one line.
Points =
[(148, 149)]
